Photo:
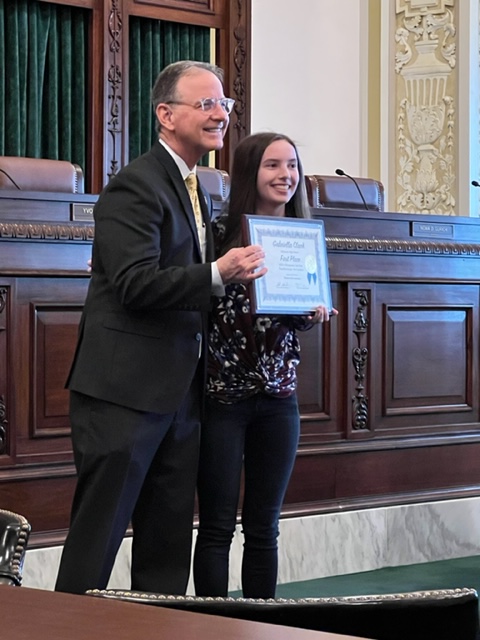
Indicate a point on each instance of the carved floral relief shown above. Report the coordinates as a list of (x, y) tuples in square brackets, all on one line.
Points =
[(425, 64)]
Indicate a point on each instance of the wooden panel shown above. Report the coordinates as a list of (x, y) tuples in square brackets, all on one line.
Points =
[(38, 207), (203, 13), (189, 5), (55, 336), (45, 499), (425, 342), (85, 4), (318, 380), (405, 470), (328, 480), (388, 390), (370, 228), (428, 362), (46, 314)]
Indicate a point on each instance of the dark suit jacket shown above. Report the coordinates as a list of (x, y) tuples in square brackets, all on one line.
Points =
[(144, 318)]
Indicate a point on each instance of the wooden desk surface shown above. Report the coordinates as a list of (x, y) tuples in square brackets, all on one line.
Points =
[(34, 614)]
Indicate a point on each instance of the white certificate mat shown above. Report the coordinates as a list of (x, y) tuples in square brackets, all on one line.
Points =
[(297, 280)]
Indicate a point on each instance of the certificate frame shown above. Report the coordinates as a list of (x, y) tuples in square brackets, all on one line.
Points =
[(298, 278)]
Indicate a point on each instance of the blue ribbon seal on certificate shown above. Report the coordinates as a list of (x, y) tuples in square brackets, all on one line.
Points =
[(311, 267)]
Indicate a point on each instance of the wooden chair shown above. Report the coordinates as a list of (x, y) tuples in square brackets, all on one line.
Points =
[(447, 614), (40, 174), (14, 534)]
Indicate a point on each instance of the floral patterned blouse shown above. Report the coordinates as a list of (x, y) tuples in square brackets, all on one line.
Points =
[(250, 354)]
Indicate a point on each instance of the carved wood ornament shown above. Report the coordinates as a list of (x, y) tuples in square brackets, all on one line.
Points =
[(114, 92), (360, 362)]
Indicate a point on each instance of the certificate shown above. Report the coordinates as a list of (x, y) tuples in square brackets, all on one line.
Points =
[(297, 280)]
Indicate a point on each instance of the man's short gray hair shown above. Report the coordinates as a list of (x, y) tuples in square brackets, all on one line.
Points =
[(165, 87)]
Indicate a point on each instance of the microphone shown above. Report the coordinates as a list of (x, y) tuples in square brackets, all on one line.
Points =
[(341, 172), (475, 183)]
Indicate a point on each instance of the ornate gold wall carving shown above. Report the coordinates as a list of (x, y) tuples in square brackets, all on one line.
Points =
[(425, 107)]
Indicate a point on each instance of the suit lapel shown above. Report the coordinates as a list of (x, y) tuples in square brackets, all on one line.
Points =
[(206, 207), (179, 185)]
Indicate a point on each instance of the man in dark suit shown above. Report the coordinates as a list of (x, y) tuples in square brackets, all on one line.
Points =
[(136, 382)]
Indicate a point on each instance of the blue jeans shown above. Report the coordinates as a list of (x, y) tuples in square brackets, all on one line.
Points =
[(261, 435)]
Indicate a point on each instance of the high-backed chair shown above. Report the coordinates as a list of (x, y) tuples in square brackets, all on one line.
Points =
[(340, 192), (40, 174), (14, 534), (447, 614), (216, 183)]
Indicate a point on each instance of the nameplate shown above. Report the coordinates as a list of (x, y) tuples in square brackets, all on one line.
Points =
[(82, 212), (433, 230)]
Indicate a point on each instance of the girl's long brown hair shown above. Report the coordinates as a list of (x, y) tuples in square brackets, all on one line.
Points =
[(243, 190)]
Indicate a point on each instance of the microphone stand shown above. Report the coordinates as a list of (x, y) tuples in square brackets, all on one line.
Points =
[(341, 172)]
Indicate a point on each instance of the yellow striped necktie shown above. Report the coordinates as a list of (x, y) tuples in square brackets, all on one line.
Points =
[(191, 182)]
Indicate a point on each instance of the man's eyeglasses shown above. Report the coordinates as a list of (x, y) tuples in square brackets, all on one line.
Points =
[(208, 104)]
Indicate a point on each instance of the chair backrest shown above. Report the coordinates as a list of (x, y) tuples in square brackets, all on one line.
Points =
[(340, 192), (40, 174), (217, 184), (419, 615), (14, 534)]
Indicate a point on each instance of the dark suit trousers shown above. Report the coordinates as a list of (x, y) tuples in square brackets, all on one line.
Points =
[(132, 466)]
